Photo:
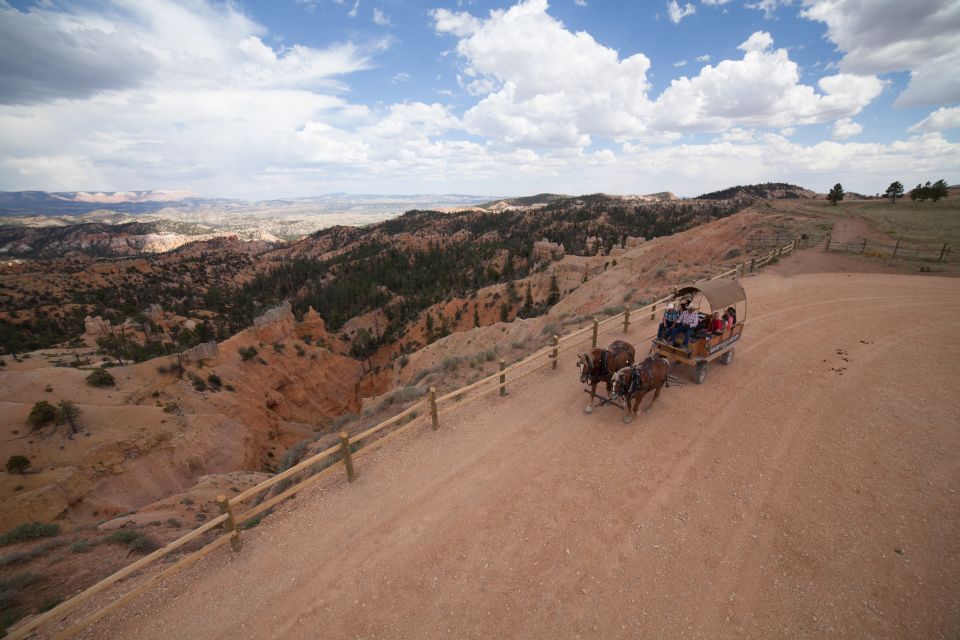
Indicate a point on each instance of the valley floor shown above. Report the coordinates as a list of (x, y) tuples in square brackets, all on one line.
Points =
[(809, 489)]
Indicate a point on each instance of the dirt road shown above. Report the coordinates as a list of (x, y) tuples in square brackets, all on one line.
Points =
[(807, 490)]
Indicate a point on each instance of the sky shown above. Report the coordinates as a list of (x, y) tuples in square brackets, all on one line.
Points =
[(287, 98)]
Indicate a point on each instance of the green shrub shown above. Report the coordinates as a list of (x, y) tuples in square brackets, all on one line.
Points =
[(19, 581), (250, 523), (135, 540), (451, 363), (18, 464), (81, 546), (248, 352), (170, 407), (198, 383), (403, 360), (42, 413), (733, 253), (29, 531), (550, 329), (214, 381), (100, 378)]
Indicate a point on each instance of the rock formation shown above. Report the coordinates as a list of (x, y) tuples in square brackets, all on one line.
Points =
[(275, 324), (545, 251)]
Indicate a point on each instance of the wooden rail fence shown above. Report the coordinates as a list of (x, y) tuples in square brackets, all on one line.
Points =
[(870, 248), (346, 453)]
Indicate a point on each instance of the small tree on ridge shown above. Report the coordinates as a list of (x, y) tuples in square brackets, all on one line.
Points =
[(836, 194)]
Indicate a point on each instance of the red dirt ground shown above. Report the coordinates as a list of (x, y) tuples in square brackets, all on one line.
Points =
[(807, 490)]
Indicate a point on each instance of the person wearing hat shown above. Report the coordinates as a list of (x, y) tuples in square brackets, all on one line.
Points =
[(669, 321), (686, 324)]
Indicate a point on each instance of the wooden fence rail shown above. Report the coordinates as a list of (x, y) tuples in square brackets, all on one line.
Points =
[(346, 458)]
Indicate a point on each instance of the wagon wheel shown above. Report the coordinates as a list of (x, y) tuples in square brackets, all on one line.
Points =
[(727, 357), (700, 372)]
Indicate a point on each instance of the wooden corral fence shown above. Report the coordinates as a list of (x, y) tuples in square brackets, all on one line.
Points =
[(252, 502), (897, 250)]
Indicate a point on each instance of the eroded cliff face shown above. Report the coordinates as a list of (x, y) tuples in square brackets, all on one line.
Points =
[(156, 432)]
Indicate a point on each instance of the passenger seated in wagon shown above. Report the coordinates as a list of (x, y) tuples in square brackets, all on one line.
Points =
[(687, 324), (716, 324), (669, 322)]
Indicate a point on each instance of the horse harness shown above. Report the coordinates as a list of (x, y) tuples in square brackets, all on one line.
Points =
[(637, 373)]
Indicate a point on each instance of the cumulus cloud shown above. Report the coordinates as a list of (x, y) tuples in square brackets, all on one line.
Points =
[(846, 128), (943, 119), (677, 13), (680, 63), (704, 58), (761, 90), (922, 37), (459, 23), (545, 85)]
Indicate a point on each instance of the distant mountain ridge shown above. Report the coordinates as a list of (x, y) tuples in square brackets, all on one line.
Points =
[(765, 191)]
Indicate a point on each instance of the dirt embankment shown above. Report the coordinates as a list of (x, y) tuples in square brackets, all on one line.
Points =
[(806, 490)]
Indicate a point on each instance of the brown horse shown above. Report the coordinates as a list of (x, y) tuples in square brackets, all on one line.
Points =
[(632, 383), (600, 364)]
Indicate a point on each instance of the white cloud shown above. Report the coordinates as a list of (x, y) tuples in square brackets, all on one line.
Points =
[(353, 11), (704, 58), (922, 36), (714, 3), (580, 3), (846, 128), (680, 63), (460, 24), (768, 7), (380, 18), (545, 86), (678, 13), (761, 90), (943, 119), (400, 77), (786, 132), (758, 41)]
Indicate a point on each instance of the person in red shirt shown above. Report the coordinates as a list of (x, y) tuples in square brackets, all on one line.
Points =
[(716, 323)]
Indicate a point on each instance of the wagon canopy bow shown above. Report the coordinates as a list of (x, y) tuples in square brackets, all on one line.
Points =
[(719, 293)]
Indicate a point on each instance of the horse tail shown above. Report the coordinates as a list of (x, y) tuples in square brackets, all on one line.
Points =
[(666, 379)]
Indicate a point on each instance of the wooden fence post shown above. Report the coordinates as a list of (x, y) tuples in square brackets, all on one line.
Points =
[(230, 524), (653, 312), (895, 247), (503, 377), (435, 422), (752, 263), (556, 350), (626, 320), (943, 252), (596, 326), (826, 245), (863, 249), (348, 455)]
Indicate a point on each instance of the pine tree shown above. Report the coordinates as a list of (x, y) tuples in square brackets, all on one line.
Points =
[(528, 302), (836, 194), (938, 190), (554, 296), (894, 191), (476, 317), (504, 312), (68, 412)]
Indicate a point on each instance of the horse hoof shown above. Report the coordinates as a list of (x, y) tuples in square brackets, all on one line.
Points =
[(588, 409), (648, 410), (627, 419)]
